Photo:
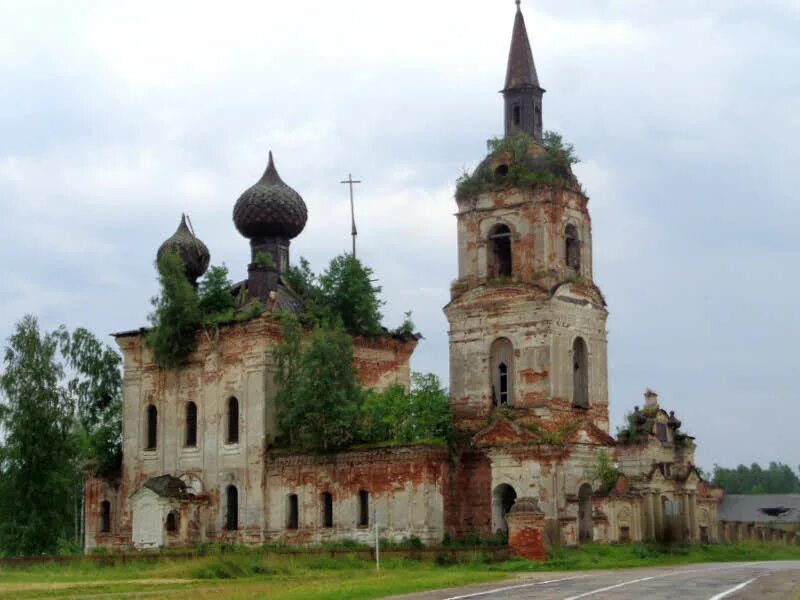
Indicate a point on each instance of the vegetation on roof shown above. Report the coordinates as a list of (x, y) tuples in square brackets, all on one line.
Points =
[(525, 170)]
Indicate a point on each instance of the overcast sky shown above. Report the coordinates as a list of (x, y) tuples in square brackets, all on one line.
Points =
[(116, 117)]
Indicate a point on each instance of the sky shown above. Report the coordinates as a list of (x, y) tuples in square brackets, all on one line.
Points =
[(116, 117)]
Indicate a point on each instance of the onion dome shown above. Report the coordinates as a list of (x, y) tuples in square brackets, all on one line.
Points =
[(270, 208), (194, 253)]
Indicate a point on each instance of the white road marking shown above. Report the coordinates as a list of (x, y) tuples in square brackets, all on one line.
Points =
[(515, 587), (733, 589), (612, 587)]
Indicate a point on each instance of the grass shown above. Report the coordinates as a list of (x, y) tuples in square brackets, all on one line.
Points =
[(253, 574)]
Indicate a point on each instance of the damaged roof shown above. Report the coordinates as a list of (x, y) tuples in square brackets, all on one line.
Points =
[(747, 508), (166, 486)]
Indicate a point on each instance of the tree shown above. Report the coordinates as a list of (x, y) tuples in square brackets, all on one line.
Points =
[(39, 457), (215, 301), (177, 317), (778, 478), (348, 290), (603, 471), (319, 396)]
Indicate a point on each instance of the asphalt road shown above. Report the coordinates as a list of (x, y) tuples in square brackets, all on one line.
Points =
[(767, 580)]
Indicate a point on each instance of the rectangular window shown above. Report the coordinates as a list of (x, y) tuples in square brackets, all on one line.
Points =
[(293, 519), (327, 510), (363, 508)]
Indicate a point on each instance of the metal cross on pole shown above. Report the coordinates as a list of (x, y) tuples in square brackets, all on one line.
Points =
[(350, 181)]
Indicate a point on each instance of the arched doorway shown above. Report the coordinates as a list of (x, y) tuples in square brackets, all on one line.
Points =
[(503, 499), (585, 533)]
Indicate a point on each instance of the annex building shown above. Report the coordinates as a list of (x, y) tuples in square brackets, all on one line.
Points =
[(528, 387)]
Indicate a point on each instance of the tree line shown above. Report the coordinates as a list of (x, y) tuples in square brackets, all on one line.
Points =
[(777, 478)]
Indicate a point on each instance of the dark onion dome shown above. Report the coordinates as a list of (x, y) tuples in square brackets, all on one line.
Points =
[(194, 253), (270, 208)]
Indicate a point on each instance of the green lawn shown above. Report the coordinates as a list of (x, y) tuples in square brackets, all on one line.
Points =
[(250, 575)]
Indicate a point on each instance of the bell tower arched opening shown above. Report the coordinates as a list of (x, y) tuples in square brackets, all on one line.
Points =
[(580, 374), (573, 249), (501, 363), (499, 255)]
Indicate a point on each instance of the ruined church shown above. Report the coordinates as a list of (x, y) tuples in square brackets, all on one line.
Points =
[(528, 391)]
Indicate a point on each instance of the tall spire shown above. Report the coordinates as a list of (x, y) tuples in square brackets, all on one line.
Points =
[(522, 93)]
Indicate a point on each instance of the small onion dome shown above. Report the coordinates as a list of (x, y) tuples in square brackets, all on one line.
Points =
[(270, 208), (193, 252)]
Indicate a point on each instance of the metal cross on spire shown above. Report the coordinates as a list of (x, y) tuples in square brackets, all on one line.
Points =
[(350, 181)]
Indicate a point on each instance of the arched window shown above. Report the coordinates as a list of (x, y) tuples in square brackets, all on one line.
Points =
[(327, 509), (191, 424), (152, 427), (516, 115), (292, 514), (501, 358), (363, 508), (232, 506), (573, 249), (105, 516), (172, 521), (585, 533), (580, 374), (499, 255), (233, 420)]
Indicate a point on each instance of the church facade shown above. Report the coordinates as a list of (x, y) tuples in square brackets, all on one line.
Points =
[(528, 389)]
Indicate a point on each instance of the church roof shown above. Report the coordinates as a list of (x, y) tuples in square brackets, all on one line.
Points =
[(521, 71), (166, 486), (747, 508), (193, 252)]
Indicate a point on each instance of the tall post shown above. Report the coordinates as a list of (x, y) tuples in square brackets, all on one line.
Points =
[(350, 181), (377, 540)]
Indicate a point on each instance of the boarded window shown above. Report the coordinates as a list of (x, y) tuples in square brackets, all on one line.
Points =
[(233, 420), (105, 516), (191, 424), (363, 508), (580, 374), (232, 506), (327, 509), (499, 252), (573, 249), (292, 517), (501, 363), (172, 522), (152, 427)]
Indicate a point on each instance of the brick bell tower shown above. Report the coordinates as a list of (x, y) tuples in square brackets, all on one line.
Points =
[(527, 323)]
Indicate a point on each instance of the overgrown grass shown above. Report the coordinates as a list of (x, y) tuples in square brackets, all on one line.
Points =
[(253, 573)]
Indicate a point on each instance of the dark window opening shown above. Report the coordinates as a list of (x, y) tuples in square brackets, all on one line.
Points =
[(232, 517), (293, 517), (503, 499), (503, 373), (500, 252), (105, 516), (191, 424), (580, 378), (363, 508), (703, 535), (661, 432), (516, 115), (172, 521), (327, 509), (501, 170), (585, 533), (537, 115), (624, 534), (233, 420), (152, 427), (573, 249)]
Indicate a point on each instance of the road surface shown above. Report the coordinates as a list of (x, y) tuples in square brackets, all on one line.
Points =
[(731, 581)]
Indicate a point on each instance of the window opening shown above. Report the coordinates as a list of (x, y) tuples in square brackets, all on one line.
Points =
[(501, 359), (500, 252), (516, 115), (293, 518), (232, 517), (233, 420), (363, 508), (327, 509), (152, 427), (585, 533), (580, 379), (503, 373), (105, 516), (172, 521), (624, 534), (573, 249), (191, 424)]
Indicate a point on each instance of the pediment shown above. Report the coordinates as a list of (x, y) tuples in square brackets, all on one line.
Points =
[(504, 433)]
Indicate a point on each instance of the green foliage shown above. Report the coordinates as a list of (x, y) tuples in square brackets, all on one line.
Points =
[(399, 416), (778, 478), (60, 411), (348, 290), (177, 316), (603, 472), (525, 170), (407, 327), (264, 260), (345, 291), (319, 396), (217, 304)]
